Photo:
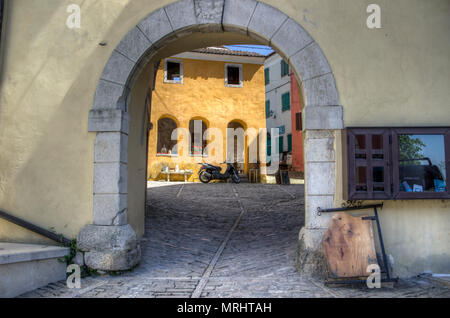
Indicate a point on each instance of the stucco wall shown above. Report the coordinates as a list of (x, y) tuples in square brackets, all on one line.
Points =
[(397, 75)]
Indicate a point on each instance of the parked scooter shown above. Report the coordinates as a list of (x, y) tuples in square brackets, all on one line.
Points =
[(209, 172)]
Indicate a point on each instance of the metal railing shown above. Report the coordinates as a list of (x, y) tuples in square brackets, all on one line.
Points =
[(35, 228)]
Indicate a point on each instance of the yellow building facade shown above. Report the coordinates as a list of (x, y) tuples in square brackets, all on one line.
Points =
[(204, 93)]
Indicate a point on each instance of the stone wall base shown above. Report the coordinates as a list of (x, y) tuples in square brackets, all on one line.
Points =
[(310, 259), (109, 248)]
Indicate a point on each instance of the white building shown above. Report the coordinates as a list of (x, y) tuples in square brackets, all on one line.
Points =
[(278, 100)]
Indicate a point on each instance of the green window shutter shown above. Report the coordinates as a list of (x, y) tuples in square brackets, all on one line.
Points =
[(284, 68), (267, 108), (267, 76), (289, 137), (280, 142), (286, 101)]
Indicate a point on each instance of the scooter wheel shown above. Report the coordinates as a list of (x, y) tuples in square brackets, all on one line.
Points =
[(235, 177), (204, 178)]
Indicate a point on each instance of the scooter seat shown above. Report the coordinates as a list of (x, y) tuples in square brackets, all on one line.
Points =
[(214, 167)]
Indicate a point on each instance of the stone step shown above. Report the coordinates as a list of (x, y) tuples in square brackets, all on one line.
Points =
[(26, 267)]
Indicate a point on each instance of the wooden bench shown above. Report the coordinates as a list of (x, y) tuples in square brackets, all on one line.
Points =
[(186, 173)]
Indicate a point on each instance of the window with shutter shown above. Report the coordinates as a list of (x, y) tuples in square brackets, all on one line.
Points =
[(289, 139), (281, 144), (267, 108), (397, 163), (286, 101), (298, 121), (284, 68), (267, 76)]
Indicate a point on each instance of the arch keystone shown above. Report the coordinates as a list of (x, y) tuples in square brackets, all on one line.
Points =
[(209, 15), (237, 15)]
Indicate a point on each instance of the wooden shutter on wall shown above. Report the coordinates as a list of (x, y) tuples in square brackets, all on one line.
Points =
[(286, 101), (369, 161), (284, 68), (267, 76), (289, 138), (376, 167), (281, 144), (298, 121), (267, 108)]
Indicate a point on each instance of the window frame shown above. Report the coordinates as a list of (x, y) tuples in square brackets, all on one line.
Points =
[(241, 75), (396, 166), (204, 140), (158, 132), (181, 81), (391, 163)]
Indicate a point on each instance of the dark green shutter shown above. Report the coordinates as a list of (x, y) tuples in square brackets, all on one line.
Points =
[(267, 76), (289, 137), (286, 101), (284, 68), (280, 142), (267, 108), (269, 148)]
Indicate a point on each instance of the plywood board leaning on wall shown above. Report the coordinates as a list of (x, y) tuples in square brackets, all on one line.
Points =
[(349, 246)]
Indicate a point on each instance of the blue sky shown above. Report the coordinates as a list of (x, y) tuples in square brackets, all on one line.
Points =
[(261, 49), (434, 147)]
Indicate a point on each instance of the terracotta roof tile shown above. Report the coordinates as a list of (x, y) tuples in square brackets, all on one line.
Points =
[(221, 50)]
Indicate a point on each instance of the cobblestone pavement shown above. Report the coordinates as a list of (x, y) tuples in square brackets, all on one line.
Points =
[(224, 240)]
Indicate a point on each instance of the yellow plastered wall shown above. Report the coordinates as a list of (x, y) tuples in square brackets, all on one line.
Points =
[(204, 96)]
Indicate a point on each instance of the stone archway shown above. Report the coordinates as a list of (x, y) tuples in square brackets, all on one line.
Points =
[(110, 243)]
